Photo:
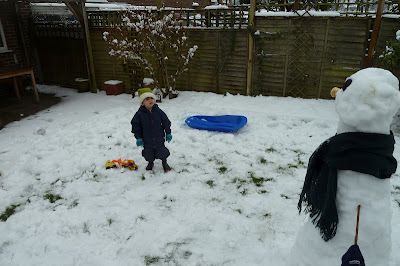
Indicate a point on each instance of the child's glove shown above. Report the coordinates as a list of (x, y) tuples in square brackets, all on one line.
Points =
[(139, 142), (169, 138)]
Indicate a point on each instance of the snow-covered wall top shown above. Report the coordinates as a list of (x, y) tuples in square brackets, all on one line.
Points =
[(265, 13)]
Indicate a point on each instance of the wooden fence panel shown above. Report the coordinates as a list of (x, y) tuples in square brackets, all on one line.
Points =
[(219, 64), (201, 75), (294, 56), (232, 65), (306, 57), (107, 67), (345, 51), (271, 44)]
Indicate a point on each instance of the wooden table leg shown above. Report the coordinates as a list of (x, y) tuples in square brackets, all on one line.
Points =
[(35, 90), (16, 89)]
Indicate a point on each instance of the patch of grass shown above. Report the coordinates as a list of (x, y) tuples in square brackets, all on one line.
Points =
[(270, 150), (284, 196), (183, 171), (187, 254), (53, 183), (73, 204), (299, 152), (262, 192), (239, 211), (8, 212), (258, 181), (143, 178), (282, 169), (210, 183), (263, 160), (267, 215), (240, 181), (222, 170), (86, 228), (243, 192), (148, 260), (110, 221), (170, 199), (214, 159), (292, 166), (216, 200), (397, 187), (142, 217), (301, 163), (52, 197)]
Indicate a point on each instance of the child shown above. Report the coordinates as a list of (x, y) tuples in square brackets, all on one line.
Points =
[(151, 128)]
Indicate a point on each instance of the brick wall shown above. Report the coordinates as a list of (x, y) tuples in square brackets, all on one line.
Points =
[(17, 32)]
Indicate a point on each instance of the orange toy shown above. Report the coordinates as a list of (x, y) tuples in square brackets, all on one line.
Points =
[(125, 164)]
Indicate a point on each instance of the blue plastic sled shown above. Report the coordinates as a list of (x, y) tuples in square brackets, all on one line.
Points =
[(223, 123)]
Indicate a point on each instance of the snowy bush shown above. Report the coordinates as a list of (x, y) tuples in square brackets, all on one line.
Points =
[(391, 56), (148, 39)]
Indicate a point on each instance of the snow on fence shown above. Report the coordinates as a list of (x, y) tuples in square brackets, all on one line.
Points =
[(344, 7)]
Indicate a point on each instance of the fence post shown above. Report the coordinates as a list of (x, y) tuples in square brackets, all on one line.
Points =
[(375, 33), (92, 76), (250, 48), (297, 5)]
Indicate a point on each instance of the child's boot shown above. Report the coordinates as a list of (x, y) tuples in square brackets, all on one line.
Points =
[(166, 166), (150, 166)]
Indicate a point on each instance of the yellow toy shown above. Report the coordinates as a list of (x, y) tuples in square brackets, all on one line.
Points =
[(125, 164), (110, 164)]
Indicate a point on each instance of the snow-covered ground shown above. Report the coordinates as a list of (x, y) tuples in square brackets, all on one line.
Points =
[(231, 198)]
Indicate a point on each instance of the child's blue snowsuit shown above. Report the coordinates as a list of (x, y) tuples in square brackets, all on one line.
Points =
[(152, 128)]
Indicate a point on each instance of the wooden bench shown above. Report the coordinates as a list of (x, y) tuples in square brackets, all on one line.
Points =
[(20, 72)]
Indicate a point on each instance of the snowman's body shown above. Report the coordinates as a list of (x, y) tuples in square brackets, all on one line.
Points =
[(358, 111)]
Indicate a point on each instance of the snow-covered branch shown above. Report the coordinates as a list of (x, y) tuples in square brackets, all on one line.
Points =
[(149, 40)]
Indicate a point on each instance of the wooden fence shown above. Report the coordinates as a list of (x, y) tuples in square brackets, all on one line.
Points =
[(299, 56), (306, 57)]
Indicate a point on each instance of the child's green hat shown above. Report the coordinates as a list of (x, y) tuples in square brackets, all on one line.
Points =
[(144, 93)]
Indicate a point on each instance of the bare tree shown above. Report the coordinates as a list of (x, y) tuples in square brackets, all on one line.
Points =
[(149, 40)]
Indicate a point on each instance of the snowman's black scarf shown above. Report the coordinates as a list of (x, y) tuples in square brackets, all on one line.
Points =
[(366, 153)]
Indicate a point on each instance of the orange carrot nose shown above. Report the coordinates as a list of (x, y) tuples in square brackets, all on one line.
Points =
[(334, 91)]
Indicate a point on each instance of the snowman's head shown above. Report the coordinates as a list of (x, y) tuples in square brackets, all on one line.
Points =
[(368, 100)]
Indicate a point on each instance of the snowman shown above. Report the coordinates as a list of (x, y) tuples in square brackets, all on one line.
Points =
[(352, 168)]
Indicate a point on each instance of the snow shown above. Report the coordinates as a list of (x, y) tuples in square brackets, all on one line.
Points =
[(375, 99), (81, 80), (219, 6), (265, 13), (391, 16), (148, 81), (231, 198), (112, 82)]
